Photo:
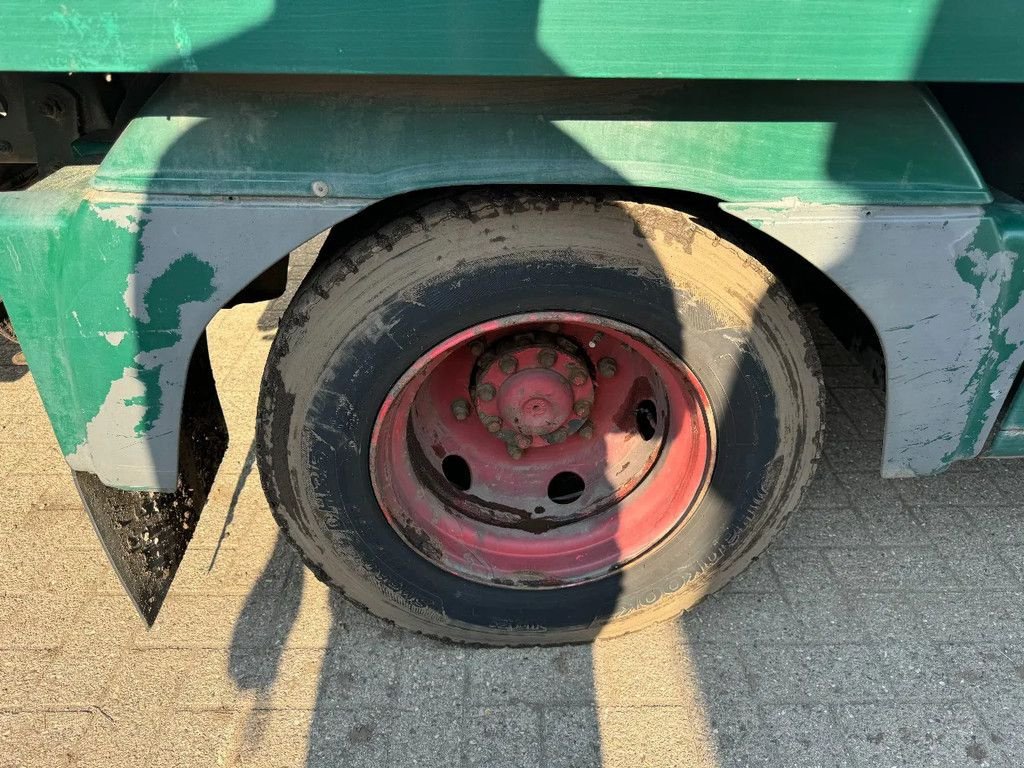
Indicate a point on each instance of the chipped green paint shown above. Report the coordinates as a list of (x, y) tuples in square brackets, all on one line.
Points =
[(992, 266), (778, 39), (81, 336), (1008, 439), (112, 292), (186, 279)]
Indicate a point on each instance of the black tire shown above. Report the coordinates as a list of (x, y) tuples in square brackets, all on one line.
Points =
[(369, 309)]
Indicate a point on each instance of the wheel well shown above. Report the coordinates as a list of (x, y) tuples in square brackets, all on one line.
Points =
[(809, 286)]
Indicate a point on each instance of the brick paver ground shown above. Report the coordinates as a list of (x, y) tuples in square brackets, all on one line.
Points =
[(884, 628)]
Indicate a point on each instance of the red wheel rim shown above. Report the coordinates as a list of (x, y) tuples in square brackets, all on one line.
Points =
[(542, 450)]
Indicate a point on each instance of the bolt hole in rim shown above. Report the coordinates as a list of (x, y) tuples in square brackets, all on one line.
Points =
[(542, 450), (456, 471), (646, 419), (566, 487)]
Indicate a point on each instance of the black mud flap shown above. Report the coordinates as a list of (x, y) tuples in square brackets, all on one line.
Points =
[(145, 534)]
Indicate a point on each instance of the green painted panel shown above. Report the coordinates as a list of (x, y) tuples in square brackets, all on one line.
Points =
[(70, 305), (762, 39), (1008, 439), (373, 137)]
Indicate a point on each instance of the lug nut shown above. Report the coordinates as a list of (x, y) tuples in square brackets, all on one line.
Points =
[(582, 408), (558, 436), (494, 425), (477, 348), (577, 377), (524, 441), (485, 392), (607, 367), (552, 327), (460, 409), (586, 431), (514, 450), (508, 364), (547, 358)]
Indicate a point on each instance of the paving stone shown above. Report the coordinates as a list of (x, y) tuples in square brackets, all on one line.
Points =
[(806, 735), (758, 577), (829, 526), (572, 737), (818, 673), (1004, 722), (430, 736), (983, 669), (951, 488), (531, 675), (980, 567), (741, 737), (864, 410), (887, 616), (907, 568), (740, 618), (847, 456), (273, 739), (888, 521), (900, 734), (350, 738), (515, 728), (826, 621), (188, 739), (989, 526), (804, 575), (656, 736), (826, 490), (977, 616), (42, 738), (953, 525), (433, 674), (919, 671)]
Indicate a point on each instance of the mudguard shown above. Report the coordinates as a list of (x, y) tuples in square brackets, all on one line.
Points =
[(145, 533)]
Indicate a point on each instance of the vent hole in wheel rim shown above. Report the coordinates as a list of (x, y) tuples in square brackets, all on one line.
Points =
[(646, 419), (456, 471), (565, 488)]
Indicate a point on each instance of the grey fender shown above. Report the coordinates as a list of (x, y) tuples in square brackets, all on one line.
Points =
[(942, 287)]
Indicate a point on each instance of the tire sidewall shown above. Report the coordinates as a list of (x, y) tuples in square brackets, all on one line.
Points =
[(364, 318)]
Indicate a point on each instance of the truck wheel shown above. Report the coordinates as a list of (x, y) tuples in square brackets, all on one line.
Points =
[(533, 419)]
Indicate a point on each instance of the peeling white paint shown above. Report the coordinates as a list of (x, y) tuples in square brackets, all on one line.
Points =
[(126, 217)]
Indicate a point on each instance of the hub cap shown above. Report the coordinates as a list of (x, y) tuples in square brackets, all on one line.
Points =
[(541, 450)]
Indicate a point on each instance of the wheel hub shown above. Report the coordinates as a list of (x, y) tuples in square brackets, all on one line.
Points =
[(591, 442), (532, 390)]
